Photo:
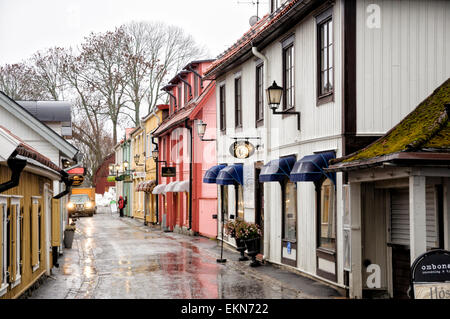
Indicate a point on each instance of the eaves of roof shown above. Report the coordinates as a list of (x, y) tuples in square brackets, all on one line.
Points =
[(39, 127), (265, 31)]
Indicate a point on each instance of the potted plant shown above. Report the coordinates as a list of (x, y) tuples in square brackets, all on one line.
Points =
[(231, 228), (69, 232), (251, 234)]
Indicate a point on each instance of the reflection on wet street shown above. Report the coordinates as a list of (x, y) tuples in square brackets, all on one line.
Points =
[(116, 257)]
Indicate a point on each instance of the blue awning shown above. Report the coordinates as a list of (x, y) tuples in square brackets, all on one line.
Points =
[(211, 174), (310, 168), (231, 175), (277, 170)]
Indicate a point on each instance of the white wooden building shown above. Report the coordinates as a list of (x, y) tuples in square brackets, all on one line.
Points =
[(352, 69), (49, 140)]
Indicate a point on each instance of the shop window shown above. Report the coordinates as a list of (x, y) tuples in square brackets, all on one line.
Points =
[(4, 245), (224, 201), (240, 202), (290, 211), (327, 216)]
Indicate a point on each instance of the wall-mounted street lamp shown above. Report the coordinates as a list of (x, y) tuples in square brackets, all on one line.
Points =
[(155, 155), (201, 129), (274, 94), (137, 157)]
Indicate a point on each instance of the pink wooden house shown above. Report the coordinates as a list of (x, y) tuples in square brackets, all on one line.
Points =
[(186, 204)]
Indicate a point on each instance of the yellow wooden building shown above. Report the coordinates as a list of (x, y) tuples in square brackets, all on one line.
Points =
[(137, 166), (29, 216), (144, 204), (150, 123)]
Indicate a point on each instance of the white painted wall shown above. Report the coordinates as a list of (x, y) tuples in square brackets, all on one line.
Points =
[(320, 131), (400, 63)]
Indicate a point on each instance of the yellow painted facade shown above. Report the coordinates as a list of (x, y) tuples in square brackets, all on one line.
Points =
[(25, 214), (138, 147), (150, 123)]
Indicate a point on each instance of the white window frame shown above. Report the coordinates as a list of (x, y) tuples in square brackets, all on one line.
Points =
[(35, 200), (15, 201), (4, 270)]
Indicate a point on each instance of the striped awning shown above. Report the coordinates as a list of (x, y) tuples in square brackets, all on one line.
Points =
[(148, 186), (181, 187), (170, 187), (159, 189)]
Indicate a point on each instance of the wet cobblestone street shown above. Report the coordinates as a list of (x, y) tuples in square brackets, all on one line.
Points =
[(115, 257)]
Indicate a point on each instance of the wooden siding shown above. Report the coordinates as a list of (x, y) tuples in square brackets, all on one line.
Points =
[(29, 185), (400, 63)]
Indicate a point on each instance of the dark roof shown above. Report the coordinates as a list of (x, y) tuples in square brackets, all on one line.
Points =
[(423, 133), (49, 111)]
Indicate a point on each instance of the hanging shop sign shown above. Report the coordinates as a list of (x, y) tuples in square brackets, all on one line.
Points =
[(168, 171), (124, 178), (77, 171), (431, 275), (242, 149), (138, 175), (76, 180)]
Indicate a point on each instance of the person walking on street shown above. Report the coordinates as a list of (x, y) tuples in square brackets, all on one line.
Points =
[(122, 204)]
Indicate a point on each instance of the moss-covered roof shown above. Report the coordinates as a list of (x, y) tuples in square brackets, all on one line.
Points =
[(425, 129)]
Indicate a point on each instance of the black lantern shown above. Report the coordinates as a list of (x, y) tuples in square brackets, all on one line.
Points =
[(155, 155), (274, 93), (125, 165)]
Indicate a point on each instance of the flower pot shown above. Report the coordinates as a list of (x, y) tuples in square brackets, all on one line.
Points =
[(240, 247), (68, 238), (253, 250)]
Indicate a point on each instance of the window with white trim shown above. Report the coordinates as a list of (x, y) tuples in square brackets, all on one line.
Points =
[(4, 245), (15, 253)]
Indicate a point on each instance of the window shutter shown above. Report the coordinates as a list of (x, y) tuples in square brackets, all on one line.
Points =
[(34, 233), (56, 225), (400, 233), (431, 222), (400, 216)]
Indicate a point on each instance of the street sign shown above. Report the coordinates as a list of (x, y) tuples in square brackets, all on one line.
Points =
[(168, 171), (431, 275)]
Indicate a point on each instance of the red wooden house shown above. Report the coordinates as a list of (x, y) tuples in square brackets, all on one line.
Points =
[(187, 205), (101, 174)]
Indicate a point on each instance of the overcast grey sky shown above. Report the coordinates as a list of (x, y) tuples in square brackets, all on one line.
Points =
[(27, 26)]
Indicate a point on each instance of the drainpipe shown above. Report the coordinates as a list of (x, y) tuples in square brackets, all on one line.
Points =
[(266, 134), (67, 182), (16, 166), (197, 74), (190, 172)]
